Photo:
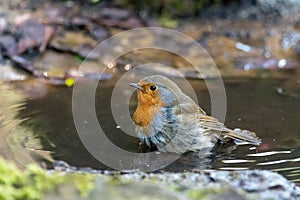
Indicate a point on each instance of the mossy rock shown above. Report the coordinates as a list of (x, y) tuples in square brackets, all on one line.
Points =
[(34, 182)]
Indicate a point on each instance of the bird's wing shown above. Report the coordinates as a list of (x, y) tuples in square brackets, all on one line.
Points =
[(191, 108), (211, 123), (243, 136)]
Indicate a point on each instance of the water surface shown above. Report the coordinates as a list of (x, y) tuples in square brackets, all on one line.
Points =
[(270, 107)]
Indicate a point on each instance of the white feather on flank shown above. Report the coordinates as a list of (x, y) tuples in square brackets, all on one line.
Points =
[(169, 137)]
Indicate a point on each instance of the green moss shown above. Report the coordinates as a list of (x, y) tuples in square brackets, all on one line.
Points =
[(167, 21), (219, 192), (115, 180), (34, 182), (203, 194), (174, 8)]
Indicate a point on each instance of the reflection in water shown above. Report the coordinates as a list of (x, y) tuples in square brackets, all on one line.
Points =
[(252, 104), (17, 143), (269, 153)]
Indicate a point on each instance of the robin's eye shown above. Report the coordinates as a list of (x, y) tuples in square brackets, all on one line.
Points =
[(152, 87)]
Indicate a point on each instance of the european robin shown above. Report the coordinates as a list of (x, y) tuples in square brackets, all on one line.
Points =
[(173, 122)]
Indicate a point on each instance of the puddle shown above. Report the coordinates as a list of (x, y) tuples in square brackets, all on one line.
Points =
[(254, 104)]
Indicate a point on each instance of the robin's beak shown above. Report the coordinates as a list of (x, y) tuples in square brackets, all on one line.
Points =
[(137, 86)]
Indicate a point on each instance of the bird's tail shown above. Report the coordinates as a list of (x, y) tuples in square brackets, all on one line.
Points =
[(241, 136)]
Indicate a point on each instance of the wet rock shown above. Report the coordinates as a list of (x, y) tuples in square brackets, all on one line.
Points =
[(129, 23), (62, 166), (290, 40), (8, 44), (211, 185), (237, 34), (31, 33), (3, 24), (88, 75), (49, 31), (61, 14), (63, 71), (244, 47), (98, 32), (133, 191), (75, 42), (132, 22), (282, 7), (242, 184), (115, 13), (8, 73), (56, 64), (86, 51), (248, 184), (80, 21), (81, 27), (26, 65), (76, 23), (264, 63)]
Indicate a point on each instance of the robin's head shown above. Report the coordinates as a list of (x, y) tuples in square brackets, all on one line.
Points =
[(157, 90)]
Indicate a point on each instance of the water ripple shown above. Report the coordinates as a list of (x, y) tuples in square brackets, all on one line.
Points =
[(269, 153)]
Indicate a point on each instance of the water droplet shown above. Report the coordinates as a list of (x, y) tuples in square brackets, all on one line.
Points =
[(282, 63), (127, 67)]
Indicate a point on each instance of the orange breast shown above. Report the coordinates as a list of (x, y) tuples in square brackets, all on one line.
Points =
[(143, 115), (148, 107)]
